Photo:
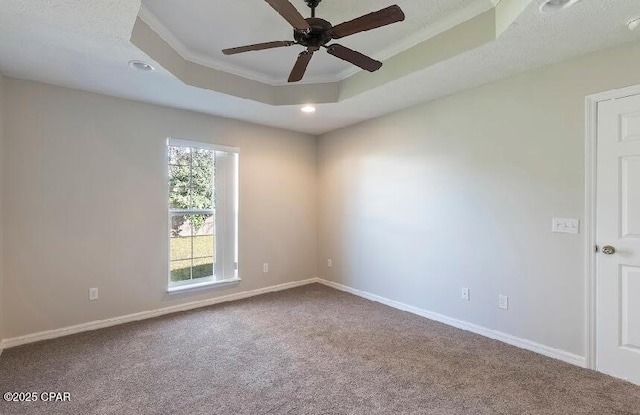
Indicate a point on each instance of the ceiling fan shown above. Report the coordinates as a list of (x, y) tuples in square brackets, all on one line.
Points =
[(314, 33)]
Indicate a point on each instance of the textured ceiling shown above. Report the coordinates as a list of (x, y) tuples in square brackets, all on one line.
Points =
[(202, 28), (85, 45)]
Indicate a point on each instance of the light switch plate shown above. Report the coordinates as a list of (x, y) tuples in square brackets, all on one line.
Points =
[(565, 225)]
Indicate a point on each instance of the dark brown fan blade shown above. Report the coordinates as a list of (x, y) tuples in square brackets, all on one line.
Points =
[(356, 58), (301, 65), (258, 46), (290, 14), (391, 14)]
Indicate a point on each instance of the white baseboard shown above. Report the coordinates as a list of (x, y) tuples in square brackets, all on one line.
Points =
[(94, 325), (493, 334), (483, 331)]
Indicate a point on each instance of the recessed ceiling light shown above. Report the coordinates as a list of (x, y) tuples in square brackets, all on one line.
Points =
[(309, 109), (555, 5), (634, 24), (141, 66)]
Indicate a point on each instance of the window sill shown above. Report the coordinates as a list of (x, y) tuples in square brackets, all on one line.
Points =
[(202, 286)]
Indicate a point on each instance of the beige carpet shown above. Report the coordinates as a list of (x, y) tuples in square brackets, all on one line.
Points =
[(310, 350)]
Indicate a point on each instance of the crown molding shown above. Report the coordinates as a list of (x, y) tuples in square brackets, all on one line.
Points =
[(472, 10)]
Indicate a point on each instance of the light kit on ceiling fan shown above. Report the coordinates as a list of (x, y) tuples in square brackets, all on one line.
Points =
[(314, 33)]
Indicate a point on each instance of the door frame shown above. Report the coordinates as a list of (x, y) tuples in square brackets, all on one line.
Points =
[(590, 212)]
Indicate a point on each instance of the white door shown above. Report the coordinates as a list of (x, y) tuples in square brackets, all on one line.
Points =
[(618, 236)]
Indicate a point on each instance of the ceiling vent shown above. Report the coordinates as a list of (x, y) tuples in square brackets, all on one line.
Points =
[(551, 6)]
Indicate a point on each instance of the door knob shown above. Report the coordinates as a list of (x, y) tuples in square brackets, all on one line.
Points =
[(608, 250)]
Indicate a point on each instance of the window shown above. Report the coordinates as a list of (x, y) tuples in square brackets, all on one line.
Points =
[(203, 214)]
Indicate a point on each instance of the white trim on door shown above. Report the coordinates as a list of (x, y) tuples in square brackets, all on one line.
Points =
[(591, 156)]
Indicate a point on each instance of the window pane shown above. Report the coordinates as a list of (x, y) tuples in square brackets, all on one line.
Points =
[(203, 246), (202, 187), (203, 157), (180, 270), (202, 268), (202, 224), (180, 156), (181, 226), (179, 176), (179, 198), (181, 248), (191, 181)]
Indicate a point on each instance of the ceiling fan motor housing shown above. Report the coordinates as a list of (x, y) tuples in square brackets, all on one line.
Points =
[(318, 36)]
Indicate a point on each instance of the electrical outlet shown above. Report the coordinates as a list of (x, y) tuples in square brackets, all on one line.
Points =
[(265, 267), (329, 263), (466, 294), (503, 302), (93, 294)]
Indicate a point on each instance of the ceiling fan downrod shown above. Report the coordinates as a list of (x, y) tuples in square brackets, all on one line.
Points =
[(312, 5)]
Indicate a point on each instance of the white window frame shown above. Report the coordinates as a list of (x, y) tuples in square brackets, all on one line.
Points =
[(226, 270)]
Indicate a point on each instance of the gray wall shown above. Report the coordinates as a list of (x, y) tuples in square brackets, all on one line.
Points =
[(88, 207), (460, 192)]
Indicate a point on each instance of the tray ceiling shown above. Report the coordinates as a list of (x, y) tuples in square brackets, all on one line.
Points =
[(199, 29)]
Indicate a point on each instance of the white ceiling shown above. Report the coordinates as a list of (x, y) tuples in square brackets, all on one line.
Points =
[(200, 29), (85, 45)]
